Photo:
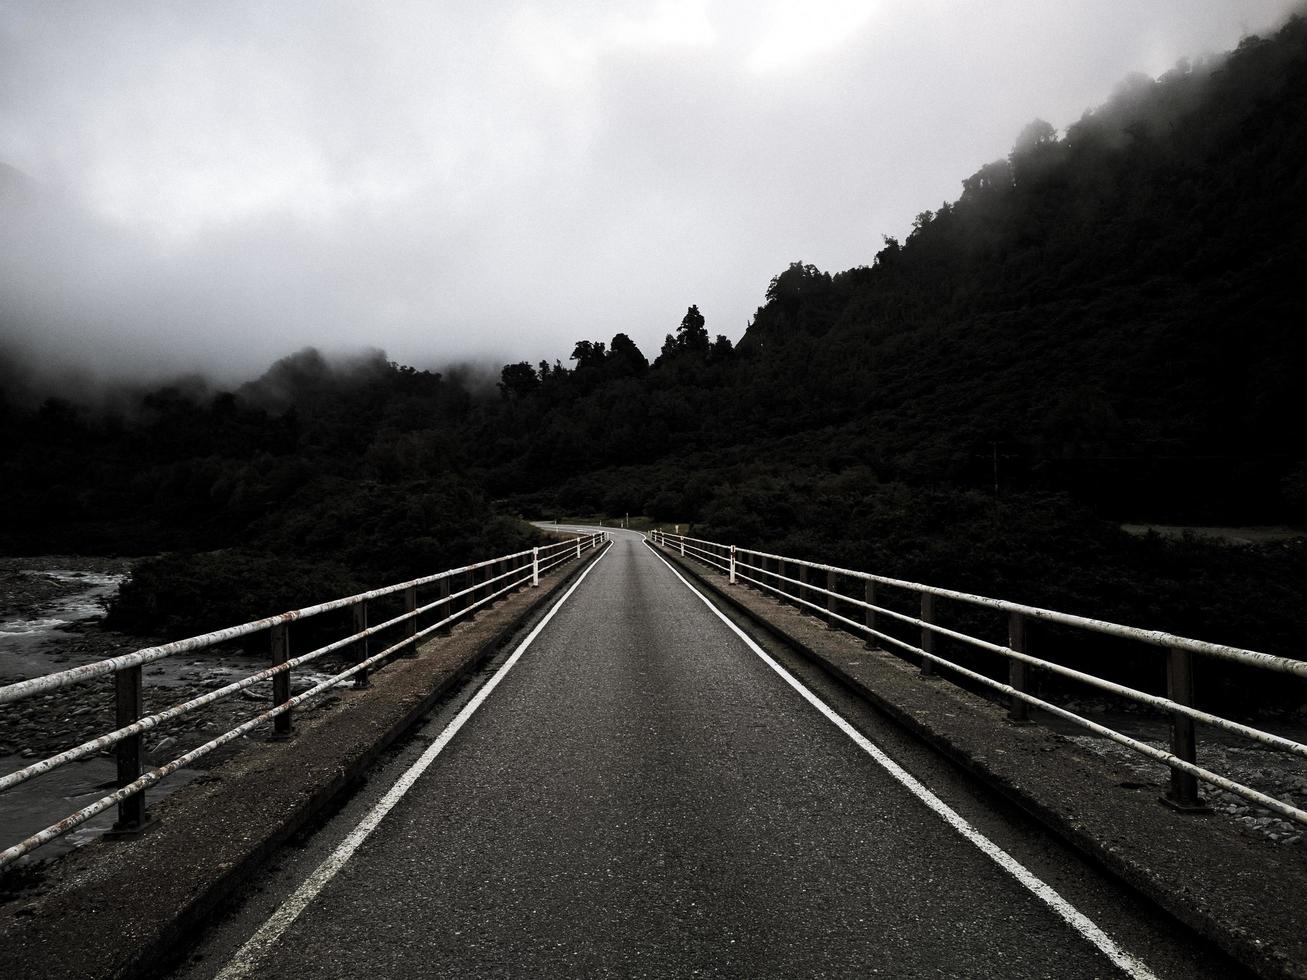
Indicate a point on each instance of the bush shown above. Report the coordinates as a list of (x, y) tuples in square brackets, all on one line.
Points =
[(176, 595)]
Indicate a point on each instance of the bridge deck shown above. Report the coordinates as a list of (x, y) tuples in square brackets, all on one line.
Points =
[(642, 794)]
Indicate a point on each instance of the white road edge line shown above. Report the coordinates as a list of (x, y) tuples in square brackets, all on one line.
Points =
[(243, 963), (1071, 915)]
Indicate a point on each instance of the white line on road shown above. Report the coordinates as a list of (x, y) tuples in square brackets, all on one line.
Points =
[(247, 957), (1075, 918)]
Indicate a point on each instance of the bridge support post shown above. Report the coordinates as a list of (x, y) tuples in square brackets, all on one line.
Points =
[(832, 586), (1018, 712), (411, 606), (361, 645), (927, 635), (1183, 794), (535, 568), (732, 564), (129, 702), (279, 640), (869, 615)]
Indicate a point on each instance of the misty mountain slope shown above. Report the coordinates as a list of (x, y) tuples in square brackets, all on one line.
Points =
[(1127, 290), (1114, 312)]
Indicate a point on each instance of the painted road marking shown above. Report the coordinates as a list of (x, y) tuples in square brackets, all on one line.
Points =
[(247, 957), (1069, 913)]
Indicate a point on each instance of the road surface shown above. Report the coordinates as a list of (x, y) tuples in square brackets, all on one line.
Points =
[(641, 792)]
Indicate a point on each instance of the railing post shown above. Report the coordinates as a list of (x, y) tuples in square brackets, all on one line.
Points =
[(927, 635), (832, 586), (443, 603), (732, 564), (411, 606), (869, 615), (803, 589), (1018, 712), (361, 645), (535, 568), (128, 705), (578, 547), (1183, 794), (279, 639), (682, 547)]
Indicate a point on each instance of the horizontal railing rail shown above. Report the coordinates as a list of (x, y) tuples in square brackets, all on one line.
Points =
[(794, 581), (459, 592)]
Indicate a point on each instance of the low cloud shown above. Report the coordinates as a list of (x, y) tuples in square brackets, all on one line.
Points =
[(210, 187)]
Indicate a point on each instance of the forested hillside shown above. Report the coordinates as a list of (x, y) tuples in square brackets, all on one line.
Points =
[(1114, 313), (1105, 326)]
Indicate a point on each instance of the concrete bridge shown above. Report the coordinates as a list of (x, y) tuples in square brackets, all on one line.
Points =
[(644, 768)]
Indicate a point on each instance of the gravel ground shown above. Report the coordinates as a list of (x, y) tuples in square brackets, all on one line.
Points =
[(1267, 770), (50, 723), (41, 726)]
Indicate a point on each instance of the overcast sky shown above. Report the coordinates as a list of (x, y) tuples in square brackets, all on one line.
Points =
[(215, 185)]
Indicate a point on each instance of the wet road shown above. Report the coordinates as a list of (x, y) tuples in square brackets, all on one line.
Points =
[(644, 795)]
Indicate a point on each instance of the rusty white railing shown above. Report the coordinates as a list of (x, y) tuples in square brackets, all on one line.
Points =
[(792, 580), (459, 592)]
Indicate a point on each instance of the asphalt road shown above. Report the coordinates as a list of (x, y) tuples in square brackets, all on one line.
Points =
[(643, 795)]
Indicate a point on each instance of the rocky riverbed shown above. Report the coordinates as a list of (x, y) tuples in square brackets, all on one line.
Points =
[(1268, 770), (51, 611)]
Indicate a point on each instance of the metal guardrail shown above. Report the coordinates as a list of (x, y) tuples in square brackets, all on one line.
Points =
[(477, 585), (768, 572)]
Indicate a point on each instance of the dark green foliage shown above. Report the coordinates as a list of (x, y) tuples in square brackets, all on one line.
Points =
[(518, 380), (314, 481), (174, 596)]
